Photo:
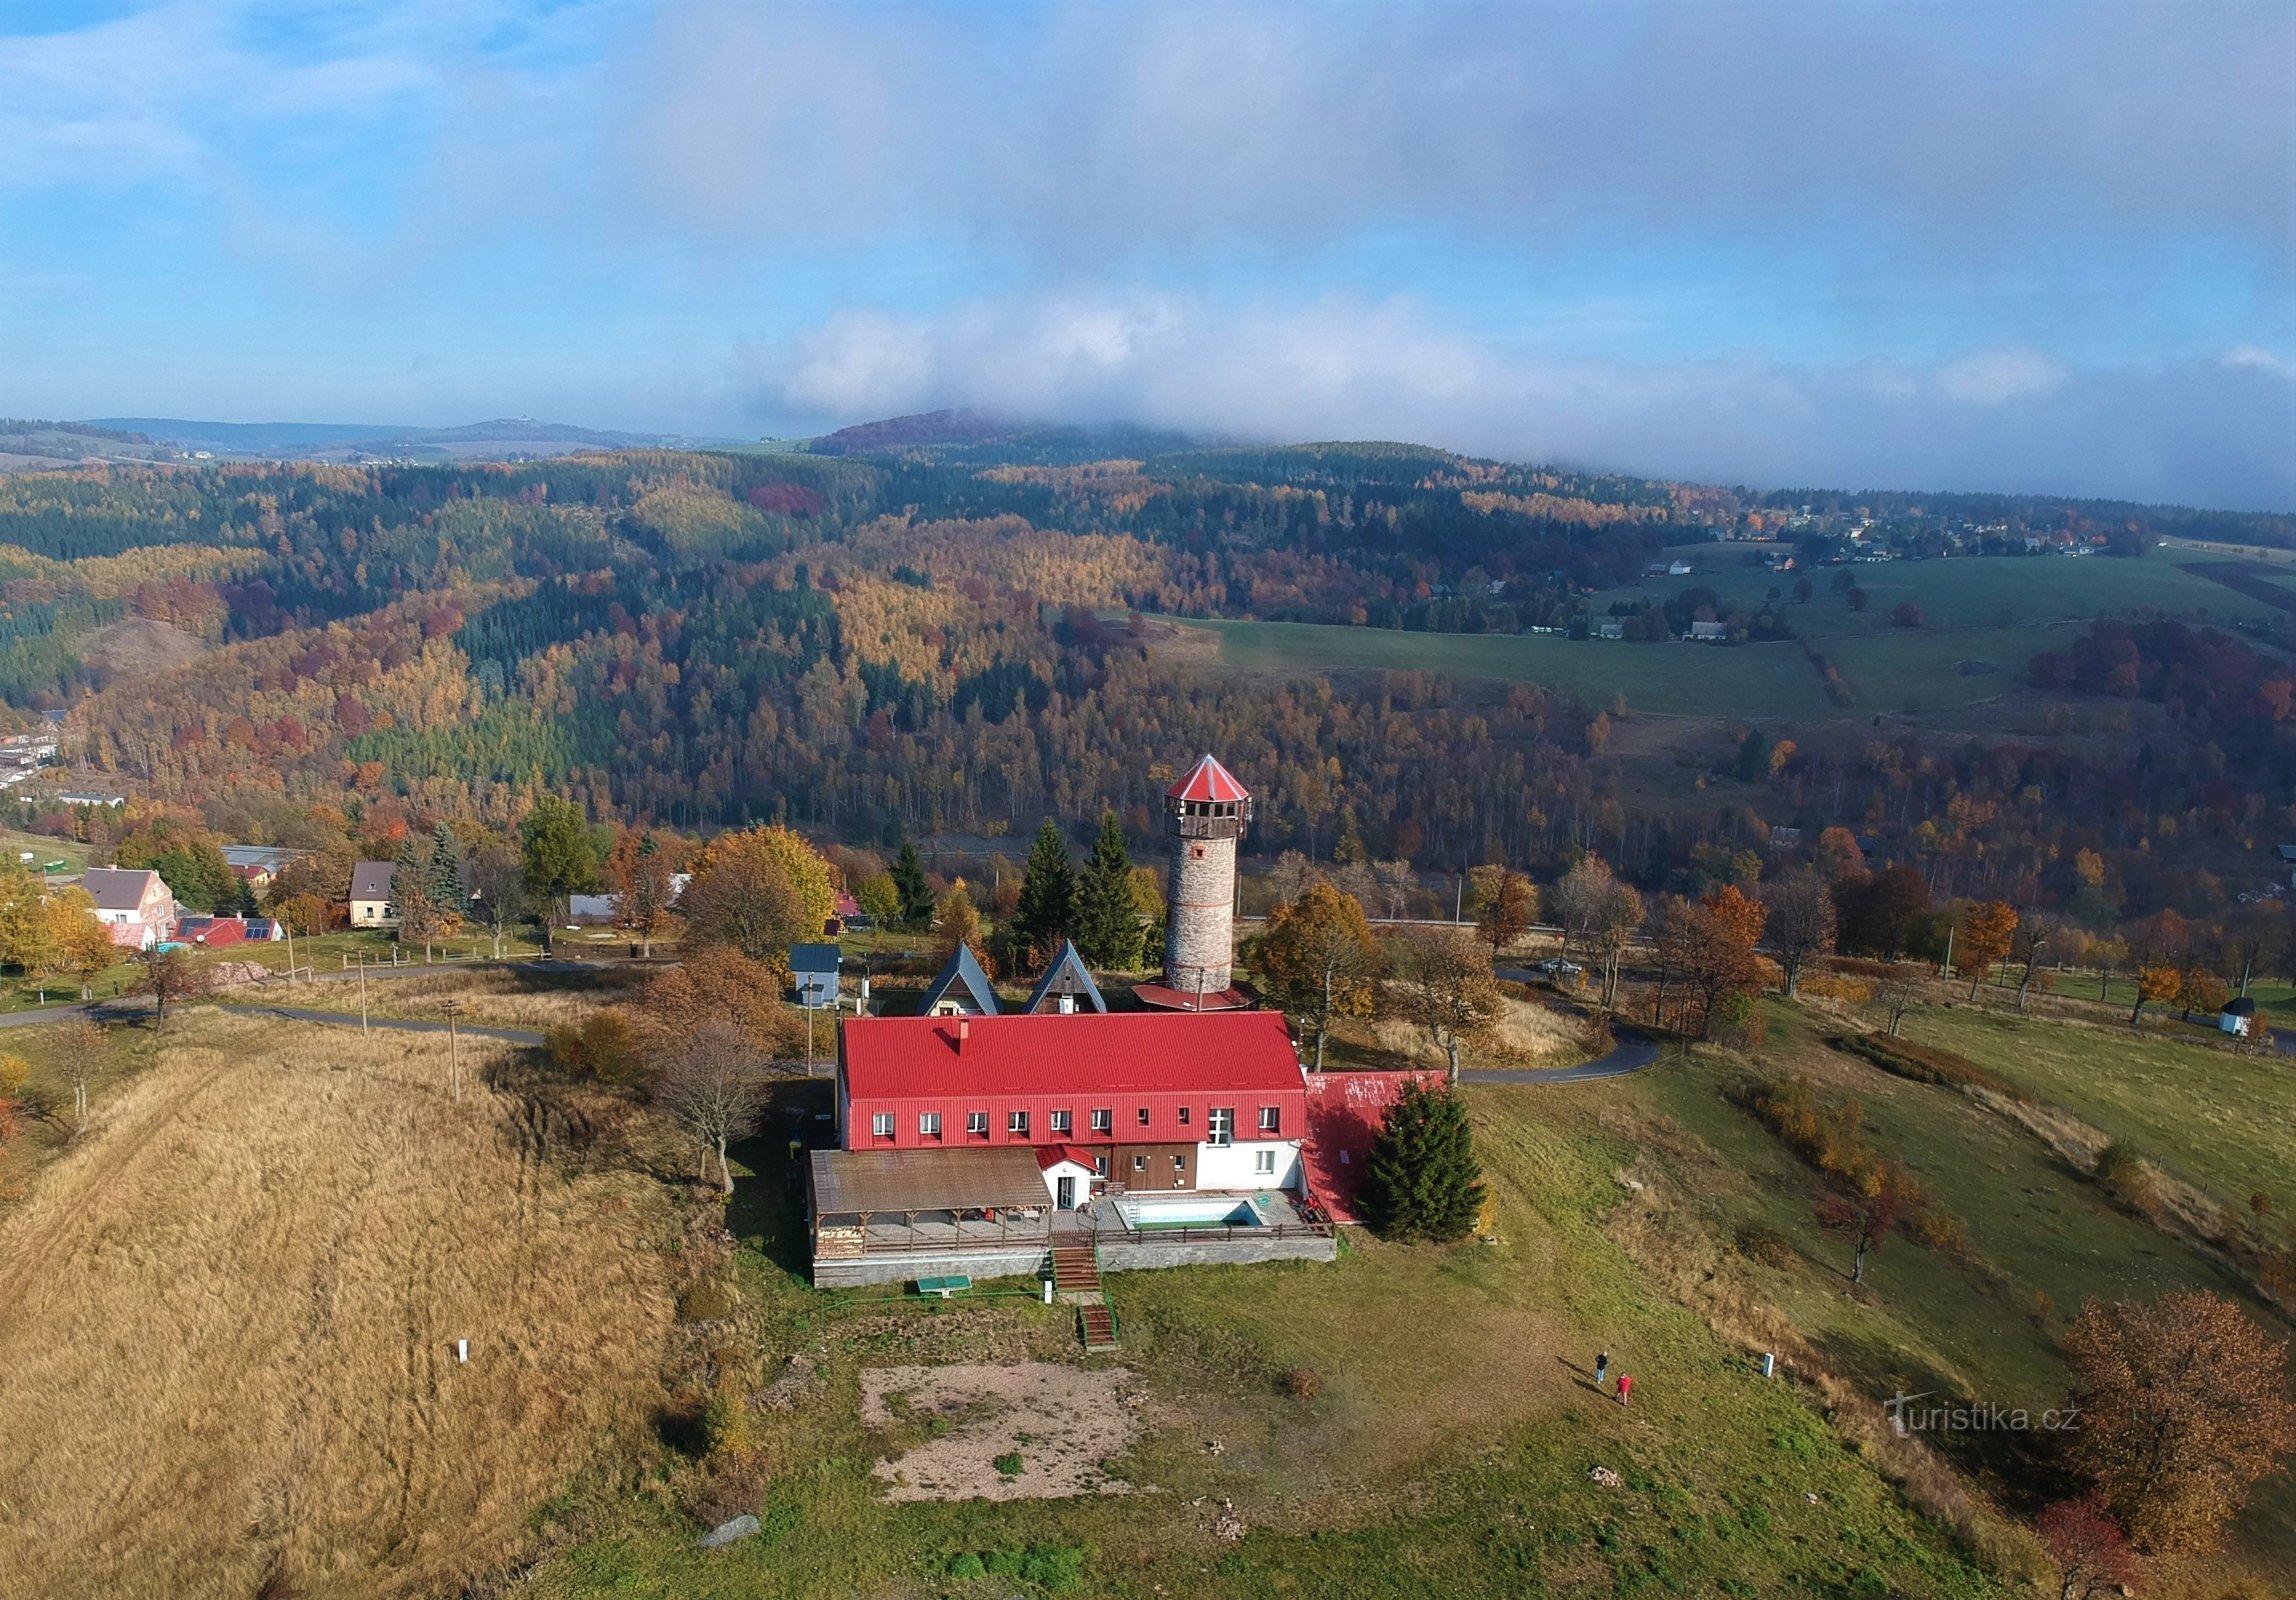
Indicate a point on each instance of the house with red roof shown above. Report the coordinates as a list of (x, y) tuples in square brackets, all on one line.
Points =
[(973, 1143)]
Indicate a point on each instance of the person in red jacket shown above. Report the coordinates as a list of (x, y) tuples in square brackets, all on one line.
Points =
[(1625, 1387)]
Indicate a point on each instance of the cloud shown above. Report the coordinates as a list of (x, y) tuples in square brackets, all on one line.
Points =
[(1105, 132), (2214, 431)]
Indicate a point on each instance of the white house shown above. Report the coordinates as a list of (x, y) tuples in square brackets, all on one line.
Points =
[(371, 895), (134, 903)]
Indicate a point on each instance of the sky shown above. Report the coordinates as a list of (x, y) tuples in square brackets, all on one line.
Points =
[(1901, 244)]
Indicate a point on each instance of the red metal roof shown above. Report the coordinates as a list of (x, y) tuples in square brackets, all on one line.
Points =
[(1345, 1111), (1130, 1051), (1049, 1156), (1208, 780)]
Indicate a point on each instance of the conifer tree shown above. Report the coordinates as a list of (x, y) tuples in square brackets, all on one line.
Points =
[(1046, 912), (1423, 1181), (1107, 921), (447, 890), (909, 883), (412, 899)]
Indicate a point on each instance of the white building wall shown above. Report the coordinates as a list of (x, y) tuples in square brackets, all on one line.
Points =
[(1236, 1166)]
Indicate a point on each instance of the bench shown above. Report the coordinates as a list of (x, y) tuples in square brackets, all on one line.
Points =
[(944, 1287)]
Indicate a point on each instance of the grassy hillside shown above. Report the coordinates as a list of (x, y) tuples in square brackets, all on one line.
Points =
[(2042, 1238), (234, 1306), (1448, 1448)]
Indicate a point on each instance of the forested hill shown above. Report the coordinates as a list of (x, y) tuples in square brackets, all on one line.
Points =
[(925, 637)]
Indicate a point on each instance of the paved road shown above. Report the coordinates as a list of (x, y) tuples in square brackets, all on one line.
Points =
[(1632, 1053)]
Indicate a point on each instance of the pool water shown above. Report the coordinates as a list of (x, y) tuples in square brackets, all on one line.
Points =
[(1146, 1214)]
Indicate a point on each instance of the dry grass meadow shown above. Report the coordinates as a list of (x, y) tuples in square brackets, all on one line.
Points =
[(229, 1352)]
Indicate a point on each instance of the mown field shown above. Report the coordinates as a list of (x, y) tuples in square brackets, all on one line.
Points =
[(1964, 592), (1767, 680), (1985, 618)]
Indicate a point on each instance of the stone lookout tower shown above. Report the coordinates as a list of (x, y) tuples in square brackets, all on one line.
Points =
[(1207, 810)]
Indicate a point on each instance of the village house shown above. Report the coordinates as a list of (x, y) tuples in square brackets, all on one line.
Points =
[(371, 895), (814, 971), (257, 864), (134, 903)]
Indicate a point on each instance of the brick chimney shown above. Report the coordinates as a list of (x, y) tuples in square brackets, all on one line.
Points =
[(964, 1032)]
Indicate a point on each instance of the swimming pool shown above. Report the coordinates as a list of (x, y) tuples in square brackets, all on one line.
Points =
[(1145, 1213)]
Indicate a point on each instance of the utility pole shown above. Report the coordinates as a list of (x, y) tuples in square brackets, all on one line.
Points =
[(453, 1009), (363, 995)]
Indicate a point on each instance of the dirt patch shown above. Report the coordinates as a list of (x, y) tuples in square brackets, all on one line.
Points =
[(1037, 1431), (138, 645)]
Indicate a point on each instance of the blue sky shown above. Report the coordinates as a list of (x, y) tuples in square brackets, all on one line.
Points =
[(1893, 244)]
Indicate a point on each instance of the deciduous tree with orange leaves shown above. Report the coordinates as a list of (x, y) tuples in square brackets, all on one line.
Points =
[(2184, 1408), (1709, 945), (1987, 931), (2161, 983)]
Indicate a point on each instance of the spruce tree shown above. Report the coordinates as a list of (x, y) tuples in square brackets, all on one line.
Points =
[(1046, 912), (1107, 921), (1423, 1181), (446, 885), (412, 899), (909, 883)]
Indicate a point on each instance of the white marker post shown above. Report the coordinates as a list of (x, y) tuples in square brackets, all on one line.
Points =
[(461, 1351)]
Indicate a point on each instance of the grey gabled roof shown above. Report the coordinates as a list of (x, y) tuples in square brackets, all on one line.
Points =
[(814, 957), (963, 969), (371, 880), (1067, 976), (117, 888)]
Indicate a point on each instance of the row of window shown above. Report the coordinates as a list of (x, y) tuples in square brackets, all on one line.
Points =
[(1219, 1123)]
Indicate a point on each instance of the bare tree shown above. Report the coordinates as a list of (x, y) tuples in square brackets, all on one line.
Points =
[(1443, 982), (1599, 917), (168, 976), (714, 1084), (1800, 927), (81, 1048), (2036, 932), (1897, 994)]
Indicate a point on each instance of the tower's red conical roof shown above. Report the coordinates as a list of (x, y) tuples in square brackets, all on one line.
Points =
[(1208, 780)]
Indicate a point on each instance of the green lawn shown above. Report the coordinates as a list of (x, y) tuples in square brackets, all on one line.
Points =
[(42, 848), (1927, 669), (2223, 1121), (1924, 1321), (1992, 592), (1765, 680), (1985, 619), (1448, 1450)]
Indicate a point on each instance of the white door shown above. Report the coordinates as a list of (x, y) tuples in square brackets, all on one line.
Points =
[(1066, 1190)]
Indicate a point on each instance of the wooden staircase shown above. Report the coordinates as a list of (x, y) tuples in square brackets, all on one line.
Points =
[(1076, 1279), (1075, 1269)]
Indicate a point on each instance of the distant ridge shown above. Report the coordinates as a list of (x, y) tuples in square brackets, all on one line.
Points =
[(323, 441), (922, 428)]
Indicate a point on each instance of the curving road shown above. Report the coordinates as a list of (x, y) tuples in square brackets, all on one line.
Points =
[(1631, 1053)]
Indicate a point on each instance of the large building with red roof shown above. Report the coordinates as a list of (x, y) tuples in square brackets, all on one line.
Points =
[(1154, 1100)]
